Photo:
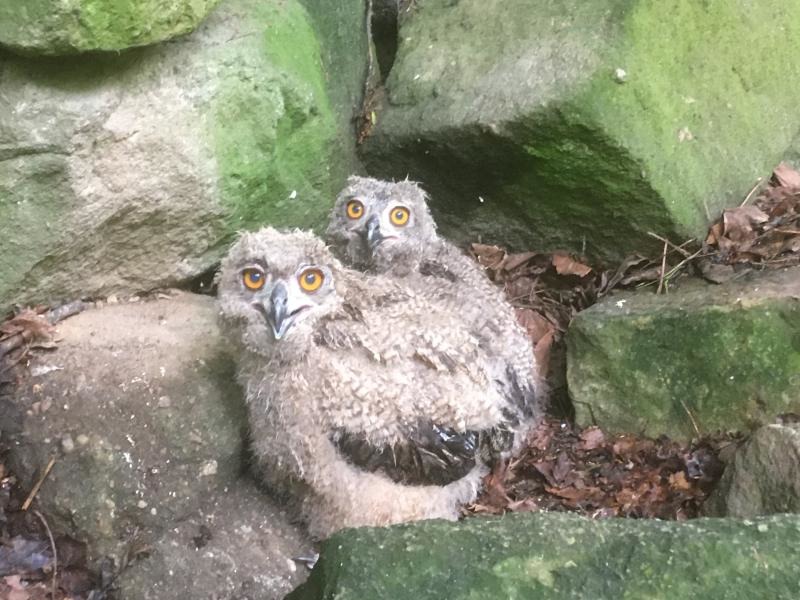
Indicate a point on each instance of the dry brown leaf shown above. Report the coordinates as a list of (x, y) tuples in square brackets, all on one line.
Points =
[(542, 349), (571, 493), (536, 325), (787, 176), (678, 481), (714, 233), (738, 222), (770, 245), (524, 505), (591, 438), (513, 261), (651, 274), (490, 257), (28, 322), (624, 445), (566, 265), (562, 467)]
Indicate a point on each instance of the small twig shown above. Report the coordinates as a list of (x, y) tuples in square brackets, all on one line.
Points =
[(671, 245), (691, 417), (759, 181), (681, 264), (55, 553), (663, 268), (15, 341), (65, 310), (35, 489), (13, 362)]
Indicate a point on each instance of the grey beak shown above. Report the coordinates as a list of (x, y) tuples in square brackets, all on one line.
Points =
[(374, 235), (277, 314)]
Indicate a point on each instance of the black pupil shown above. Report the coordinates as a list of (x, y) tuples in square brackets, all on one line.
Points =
[(399, 215), (356, 209), (255, 276), (311, 278)]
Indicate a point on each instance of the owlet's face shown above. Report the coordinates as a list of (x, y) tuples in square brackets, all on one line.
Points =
[(274, 286), (382, 224)]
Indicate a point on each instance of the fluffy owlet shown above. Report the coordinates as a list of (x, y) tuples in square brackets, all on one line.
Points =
[(370, 403), (386, 228)]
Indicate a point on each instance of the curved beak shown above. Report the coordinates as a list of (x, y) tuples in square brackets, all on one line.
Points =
[(278, 315), (373, 234)]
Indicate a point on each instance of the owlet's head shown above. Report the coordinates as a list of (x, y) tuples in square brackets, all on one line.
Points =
[(273, 287), (382, 224)]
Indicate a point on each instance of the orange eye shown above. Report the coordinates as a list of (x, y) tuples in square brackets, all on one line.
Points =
[(311, 280), (355, 210), (399, 216), (253, 279)]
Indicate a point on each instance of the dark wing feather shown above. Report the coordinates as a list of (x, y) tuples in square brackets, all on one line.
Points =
[(432, 268), (522, 400), (430, 455), (520, 394)]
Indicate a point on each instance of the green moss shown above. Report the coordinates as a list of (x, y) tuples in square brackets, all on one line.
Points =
[(511, 115), (692, 73), (553, 556), (50, 27), (273, 125), (666, 366)]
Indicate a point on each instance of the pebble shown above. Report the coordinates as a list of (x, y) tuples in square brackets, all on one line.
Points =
[(67, 444)]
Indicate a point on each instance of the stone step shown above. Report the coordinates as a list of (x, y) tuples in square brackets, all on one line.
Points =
[(556, 556)]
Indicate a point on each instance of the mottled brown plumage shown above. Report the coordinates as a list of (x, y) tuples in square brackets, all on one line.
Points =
[(369, 402), (410, 251)]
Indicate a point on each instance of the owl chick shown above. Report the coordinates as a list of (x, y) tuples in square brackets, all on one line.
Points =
[(369, 402), (386, 227)]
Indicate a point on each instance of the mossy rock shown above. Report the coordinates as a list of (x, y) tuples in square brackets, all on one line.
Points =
[(125, 173), (764, 476), (554, 556), (53, 27), (699, 359), (584, 125)]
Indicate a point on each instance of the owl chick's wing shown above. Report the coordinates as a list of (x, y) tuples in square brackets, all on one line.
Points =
[(492, 320), (414, 399), (429, 454)]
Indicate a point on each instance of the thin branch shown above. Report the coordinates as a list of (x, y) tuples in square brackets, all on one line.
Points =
[(759, 181), (55, 553), (35, 489), (691, 417), (671, 245), (683, 263)]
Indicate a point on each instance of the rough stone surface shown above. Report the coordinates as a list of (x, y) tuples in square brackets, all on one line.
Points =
[(764, 477), (52, 27), (715, 357), (156, 422), (582, 125), (237, 546), (342, 31), (131, 172), (556, 556)]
